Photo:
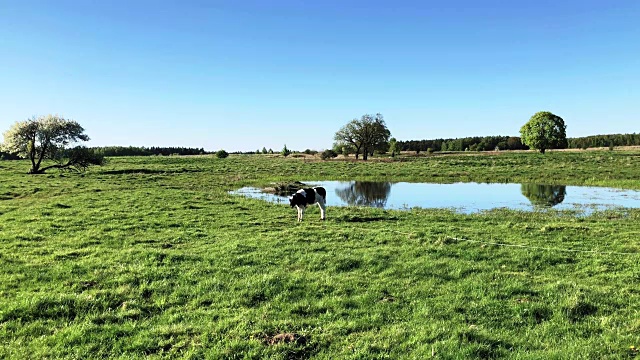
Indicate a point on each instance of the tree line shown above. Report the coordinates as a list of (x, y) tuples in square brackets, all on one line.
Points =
[(473, 143), (604, 141), (490, 143), (49, 137), (146, 151)]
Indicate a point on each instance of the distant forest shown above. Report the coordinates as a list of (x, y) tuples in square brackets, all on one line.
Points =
[(130, 151), (475, 143), (146, 151), (488, 143), (604, 140)]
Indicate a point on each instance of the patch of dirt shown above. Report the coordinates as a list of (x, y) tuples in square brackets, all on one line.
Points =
[(285, 189), (88, 284), (387, 298), (286, 338)]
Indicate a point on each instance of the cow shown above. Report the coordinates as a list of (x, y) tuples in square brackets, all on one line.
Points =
[(304, 197)]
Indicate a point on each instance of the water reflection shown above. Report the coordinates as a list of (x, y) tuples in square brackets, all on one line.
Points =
[(365, 193), (544, 195), (463, 197)]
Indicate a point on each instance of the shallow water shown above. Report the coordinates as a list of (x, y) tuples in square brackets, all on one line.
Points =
[(464, 197)]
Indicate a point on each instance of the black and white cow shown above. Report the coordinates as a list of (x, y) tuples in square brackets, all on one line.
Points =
[(304, 197)]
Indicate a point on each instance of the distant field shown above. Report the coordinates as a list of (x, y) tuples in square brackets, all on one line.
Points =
[(149, 257)]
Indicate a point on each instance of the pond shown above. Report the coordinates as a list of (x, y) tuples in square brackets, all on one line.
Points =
[(464, 197)]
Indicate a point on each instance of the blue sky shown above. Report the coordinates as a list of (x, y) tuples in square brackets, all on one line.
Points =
[(241, 75)]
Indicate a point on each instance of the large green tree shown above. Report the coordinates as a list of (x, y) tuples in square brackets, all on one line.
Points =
[(364, 135), (544, 131), (46, 138)]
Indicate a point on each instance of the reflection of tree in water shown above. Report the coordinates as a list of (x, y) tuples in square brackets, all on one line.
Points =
[(365, 193), (544, 195)]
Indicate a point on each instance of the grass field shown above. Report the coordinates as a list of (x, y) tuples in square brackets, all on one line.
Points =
[(151, 258)]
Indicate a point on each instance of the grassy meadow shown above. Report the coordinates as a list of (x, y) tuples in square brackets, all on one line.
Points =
[(149, 257)]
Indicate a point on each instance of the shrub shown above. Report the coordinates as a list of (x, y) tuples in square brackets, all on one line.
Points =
[(328, 154), (8, 156), (221, 154), (79, 158), (285, 151)]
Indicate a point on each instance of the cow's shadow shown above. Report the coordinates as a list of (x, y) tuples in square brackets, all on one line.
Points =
[(356, 218)]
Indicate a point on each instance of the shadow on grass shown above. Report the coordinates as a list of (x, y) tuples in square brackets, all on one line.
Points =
[(484, 346), (9, 195), (579, 310), (361, 217), (357, 218), (149, 171)]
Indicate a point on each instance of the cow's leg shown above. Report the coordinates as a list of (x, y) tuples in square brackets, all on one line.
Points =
[(323, 214), (300, 212)]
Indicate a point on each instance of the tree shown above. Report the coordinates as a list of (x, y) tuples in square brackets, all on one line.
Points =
[(514, 143), (393, 147), (544, 131), (343, 149), (346, 150), (365, 135), (264, 150), (350, 135), (45, 138), (378, 135), (285, 152)]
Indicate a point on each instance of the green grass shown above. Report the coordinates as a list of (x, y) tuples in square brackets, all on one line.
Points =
[(151, 258)]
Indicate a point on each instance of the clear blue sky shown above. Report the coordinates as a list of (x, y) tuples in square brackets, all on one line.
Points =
[(241, 75)]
